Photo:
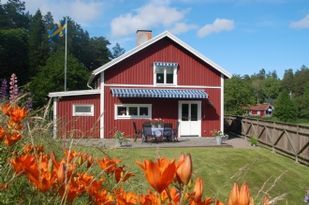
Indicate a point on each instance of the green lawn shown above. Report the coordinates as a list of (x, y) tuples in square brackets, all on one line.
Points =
[(220, 167)]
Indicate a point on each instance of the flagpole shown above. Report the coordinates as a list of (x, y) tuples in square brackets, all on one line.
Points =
[(65, 54)]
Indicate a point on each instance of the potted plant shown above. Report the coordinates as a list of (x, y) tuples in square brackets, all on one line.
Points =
[(253, 141), (219, 135), (120, 139)]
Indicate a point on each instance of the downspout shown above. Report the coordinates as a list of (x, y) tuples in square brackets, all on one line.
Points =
[(90, 81)]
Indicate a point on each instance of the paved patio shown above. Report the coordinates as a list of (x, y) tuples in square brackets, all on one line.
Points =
[(183, 142)]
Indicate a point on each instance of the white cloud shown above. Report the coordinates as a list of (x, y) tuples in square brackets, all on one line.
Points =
[(82, 11), (219, 25), (301, 24), (156, 13), (182, 28)]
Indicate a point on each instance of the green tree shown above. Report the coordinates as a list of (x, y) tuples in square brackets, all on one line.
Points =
[(15, 16), (14, 54), (287, 82), (51, 77), (117, 51), (303, 103), (237, 95), (38, 44), (301, 77), (285, 109), (271, 88), (99, 52)]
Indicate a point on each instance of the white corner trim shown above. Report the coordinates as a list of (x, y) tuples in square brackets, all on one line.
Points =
[(55, 118), (150, 42), (222, 104), (74, 93), (102, 86)]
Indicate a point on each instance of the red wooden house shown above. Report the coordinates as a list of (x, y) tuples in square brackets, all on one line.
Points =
[(162, 78), (261, 110)]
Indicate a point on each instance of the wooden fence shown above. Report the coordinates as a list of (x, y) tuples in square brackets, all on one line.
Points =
[(291, 140)]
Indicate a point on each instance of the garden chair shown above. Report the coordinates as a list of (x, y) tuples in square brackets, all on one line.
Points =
[(168, 131), (137, 132), (175, 133), (146, 132)]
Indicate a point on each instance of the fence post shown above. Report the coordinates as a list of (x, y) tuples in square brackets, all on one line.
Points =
[(272, 134), (297, 134)]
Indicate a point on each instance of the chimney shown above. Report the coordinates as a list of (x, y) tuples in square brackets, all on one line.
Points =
[(142, 36)]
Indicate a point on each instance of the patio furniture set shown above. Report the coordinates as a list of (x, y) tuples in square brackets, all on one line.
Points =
[(157, 132)]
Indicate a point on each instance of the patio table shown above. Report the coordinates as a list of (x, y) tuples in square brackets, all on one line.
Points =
[(160, 132)]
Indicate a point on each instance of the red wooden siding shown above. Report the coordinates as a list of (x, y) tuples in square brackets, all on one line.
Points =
[(78, 126), (138, 69), (211, 111), (166, 109)]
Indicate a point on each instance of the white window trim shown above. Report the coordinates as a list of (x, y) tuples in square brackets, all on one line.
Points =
[(165, 84), (91, 113), (120, 117)]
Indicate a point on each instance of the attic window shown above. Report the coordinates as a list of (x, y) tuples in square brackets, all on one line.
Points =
[(165, 73)]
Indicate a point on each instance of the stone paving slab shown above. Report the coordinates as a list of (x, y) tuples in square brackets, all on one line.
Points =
[(183, 142)]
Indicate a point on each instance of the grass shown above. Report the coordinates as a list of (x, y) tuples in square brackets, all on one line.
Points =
[(263, 170)]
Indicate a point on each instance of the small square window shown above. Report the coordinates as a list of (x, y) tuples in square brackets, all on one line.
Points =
[(83, 110), (143, 111), (122, 111), (133, 111)]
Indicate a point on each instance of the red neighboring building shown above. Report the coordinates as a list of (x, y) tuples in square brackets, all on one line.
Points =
[(261, 110), (161, 78)]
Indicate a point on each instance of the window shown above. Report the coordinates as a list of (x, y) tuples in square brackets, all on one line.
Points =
[(83, 110), (133, 111), (165, 74)]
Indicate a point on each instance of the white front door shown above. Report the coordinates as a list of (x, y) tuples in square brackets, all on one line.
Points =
[(189, 118)]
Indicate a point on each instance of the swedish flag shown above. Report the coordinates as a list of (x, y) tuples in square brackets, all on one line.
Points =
[(57, 30)]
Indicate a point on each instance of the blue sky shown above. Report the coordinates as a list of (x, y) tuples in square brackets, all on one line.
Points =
[(242, 36)]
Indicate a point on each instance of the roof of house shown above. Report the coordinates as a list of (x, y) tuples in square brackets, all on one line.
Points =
[(152, 41), (74, 93), (263, 106)]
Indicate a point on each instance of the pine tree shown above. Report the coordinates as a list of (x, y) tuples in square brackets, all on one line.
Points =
[(38, 44), (117, 51)]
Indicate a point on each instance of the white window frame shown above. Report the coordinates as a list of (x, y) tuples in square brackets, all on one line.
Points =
[(91, 113), (164, 77), (138, 116)]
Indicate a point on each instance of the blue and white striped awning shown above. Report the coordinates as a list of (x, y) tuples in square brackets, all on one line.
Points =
[(166, 64), (159, 93)]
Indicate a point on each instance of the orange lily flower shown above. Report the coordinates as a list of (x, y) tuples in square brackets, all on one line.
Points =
[(240, 196), (184, 168), (2, 133), (108, 165), (122, 175), (149, 199), (172, 195), (19, 164), (77, 185), (102, 197), (17, 114), (160, 173), (6, 108), (10, 139), (29, 148), (38, 171), (198, 189), (126, 198)]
